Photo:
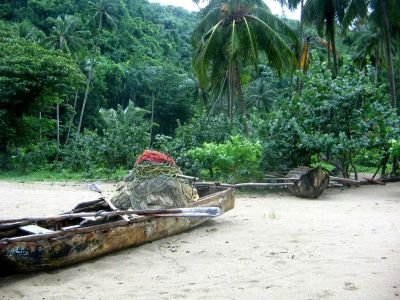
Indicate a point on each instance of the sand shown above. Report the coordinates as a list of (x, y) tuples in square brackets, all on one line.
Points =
[(345, 245)]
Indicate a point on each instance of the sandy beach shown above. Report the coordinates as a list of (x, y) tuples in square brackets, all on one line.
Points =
[(345, 245)]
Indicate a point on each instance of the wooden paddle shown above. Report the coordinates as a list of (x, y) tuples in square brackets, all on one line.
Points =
[(174, 212)]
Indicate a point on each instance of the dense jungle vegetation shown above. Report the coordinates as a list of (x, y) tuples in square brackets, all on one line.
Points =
[(229, 92)]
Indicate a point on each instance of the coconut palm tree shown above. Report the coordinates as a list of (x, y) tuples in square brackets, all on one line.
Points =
[(325, 14), (381, 9), (104, 16), (65, 35), (233, 34), (370, 44), (385, 15)]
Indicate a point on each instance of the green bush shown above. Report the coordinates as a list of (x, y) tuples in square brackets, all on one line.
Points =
[(125, 136), (236, 160), (394, 148), (82, 153), (202, 129), (33, 157)]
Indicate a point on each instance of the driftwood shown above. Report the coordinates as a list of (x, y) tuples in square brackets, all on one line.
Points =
[(391, 179), (180, 212), (244, 185), (280, 178), (374, 181), (346, 180)]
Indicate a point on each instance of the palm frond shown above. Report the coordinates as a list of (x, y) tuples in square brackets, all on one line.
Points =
[(356, 8), (233, 44), (283, 58), (254, 56), (277, 24), (314, 13), (207, 22), (203, 56)]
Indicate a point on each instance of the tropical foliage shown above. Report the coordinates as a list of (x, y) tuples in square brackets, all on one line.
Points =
[(230, 92)]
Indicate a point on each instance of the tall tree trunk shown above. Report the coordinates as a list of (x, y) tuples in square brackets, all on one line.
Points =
[(152, 119), (299, 85), (89, 80), (72, 118), (58, 129), (389, 57), (334, 54), (40, 126), (238, 87), (329, 53), (230, 93), (88, 83), (392, 85), (376, 67)]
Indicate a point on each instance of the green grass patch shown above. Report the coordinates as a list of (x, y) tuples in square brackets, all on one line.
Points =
[(365, 169), (63, 175)]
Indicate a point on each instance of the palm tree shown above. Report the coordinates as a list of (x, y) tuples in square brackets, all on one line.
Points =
[(233, 34), (384, 5), (66, 37), (259, 95), (103, 17), (324, 14), (303, 51), (370, 43), (385, 15)]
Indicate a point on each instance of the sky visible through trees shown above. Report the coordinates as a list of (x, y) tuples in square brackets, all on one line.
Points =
[(273, 5)]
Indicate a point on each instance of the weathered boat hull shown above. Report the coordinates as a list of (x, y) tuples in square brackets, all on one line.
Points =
[(310, 183), (46, 251)]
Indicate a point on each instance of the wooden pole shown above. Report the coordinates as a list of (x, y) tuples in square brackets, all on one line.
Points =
[(182, 212)]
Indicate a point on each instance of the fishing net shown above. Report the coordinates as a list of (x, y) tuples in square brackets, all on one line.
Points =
[(154, 184)]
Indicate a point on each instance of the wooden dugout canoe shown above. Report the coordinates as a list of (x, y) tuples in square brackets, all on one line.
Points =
[(64, 242), (308, 182)]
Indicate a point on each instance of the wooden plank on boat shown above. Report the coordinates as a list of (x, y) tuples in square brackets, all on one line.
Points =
[(177, 212), (35, 229)]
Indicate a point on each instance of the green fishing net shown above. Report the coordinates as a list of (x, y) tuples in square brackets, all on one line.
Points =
[(152, 186)]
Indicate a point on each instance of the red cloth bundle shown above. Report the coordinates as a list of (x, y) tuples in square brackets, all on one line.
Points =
[(155, 157)]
